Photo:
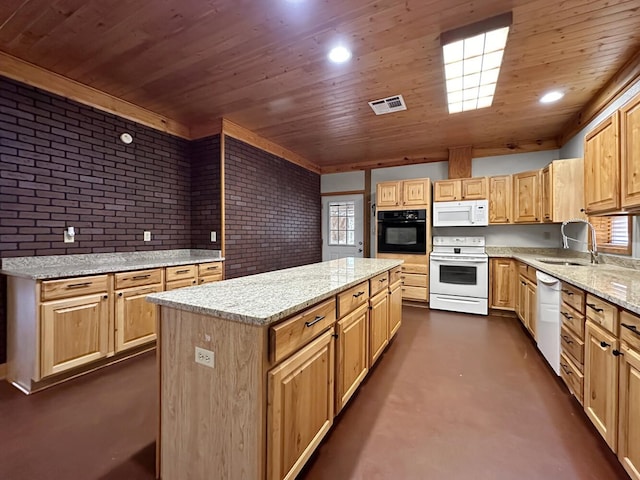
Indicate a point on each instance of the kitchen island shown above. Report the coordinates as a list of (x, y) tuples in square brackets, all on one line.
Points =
[(253, 370)]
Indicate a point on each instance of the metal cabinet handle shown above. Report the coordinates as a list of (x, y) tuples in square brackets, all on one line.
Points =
[(566, 370), (120, 294), (593, 306), (617, 353), (633, 328), (566, 315), (105, 296), (141, 277), (356, 295), (604, 344), (382, 280), (568, 292), (567, 339), (314, 321), (79, 285), (182, 271), (213, 268)]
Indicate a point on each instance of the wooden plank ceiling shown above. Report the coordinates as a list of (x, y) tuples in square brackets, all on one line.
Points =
[(263, 65)]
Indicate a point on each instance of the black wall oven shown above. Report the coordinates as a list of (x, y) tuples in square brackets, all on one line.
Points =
[(402, 231)]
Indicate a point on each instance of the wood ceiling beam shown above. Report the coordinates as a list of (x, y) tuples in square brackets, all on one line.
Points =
[(613, 89), (527, 146), (460, 161), (236, 131), (439, 156), (16, 69)]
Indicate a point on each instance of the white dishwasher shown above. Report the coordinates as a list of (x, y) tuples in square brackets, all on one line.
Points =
[(548, 319)]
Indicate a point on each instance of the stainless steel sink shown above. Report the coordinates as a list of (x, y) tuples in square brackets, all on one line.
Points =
[(558, 261)]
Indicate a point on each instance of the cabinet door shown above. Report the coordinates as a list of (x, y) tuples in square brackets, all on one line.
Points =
[(388, 194), (378, 326), (474, 188), (74, 332), (395, 309), (602, 167), (415, 192), (135, 317), (352, 358), (532, 309), (503, 284), (630, 152), (526, 197), (601, 382), (447, 191), (629, 411), (500, 199), (300, 407), (547, 194), (521, 299)]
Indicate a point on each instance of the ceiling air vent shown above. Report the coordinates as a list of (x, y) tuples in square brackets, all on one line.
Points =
[(388, 105)]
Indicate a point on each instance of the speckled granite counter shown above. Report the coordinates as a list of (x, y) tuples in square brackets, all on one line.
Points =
[(617, 284), (268, 297), (61, 266)]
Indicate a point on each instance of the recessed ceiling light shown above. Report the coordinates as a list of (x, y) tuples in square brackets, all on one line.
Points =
[(472, 60), (551, 97), (339, 54)]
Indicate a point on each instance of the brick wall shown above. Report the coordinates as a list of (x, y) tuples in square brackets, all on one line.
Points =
[(272, 212), (205, 192), (61, 164)]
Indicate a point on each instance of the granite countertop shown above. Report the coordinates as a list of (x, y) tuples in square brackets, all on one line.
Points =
[(61, 266), (268, 297)]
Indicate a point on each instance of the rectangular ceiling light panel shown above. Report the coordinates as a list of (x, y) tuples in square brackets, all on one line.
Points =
[(472, 65)]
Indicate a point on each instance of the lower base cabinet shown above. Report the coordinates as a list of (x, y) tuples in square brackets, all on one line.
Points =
[(135, 317), (300, 407), (378, 326), (352, 354), (395, 308)]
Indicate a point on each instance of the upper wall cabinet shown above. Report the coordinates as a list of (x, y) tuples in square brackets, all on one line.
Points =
[(408, 193), (562, 188), (630, 150), (526, 197), (602, 167), (460, 189), (500, 199)]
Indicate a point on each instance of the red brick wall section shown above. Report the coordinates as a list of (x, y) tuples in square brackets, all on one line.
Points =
[(205, 192), (62, 164), (272, 212)]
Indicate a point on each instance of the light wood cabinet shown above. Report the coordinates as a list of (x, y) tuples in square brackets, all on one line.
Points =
[(415, 192), (602, 167), (378, 326), (562, 190), (415, 282), (300, 407), (601, 382), (531, 312), (74, 332), (388, 194), (629, 411), (630, 152), (521, 299), (503, 283), (352, 354), (460, 189), (210, 272), (500, 199), (395, 308), (406, 193), (526, 197), (135, 318)]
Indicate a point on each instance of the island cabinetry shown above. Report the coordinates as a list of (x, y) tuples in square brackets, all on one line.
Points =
[(379, 325), (500, 199), (352, 354), (395, 301), (74, 327), (503, 283), (526, 197), (602, 167), (135, 318), (629, 402)]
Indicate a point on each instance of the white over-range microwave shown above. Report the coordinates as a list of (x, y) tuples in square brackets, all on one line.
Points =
[(469, 213)]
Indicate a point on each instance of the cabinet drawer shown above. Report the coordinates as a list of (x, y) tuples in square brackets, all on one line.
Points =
[(572, 319), (573, 296), (210, 279), (572, 377), (630, 329), (414, 280), (351, 299), (415, 293), (378, 283), (603, 313), (395, 275), (73, 287), (181, 272), (414, 268), (572, 346), (291, 335), (138, 278), (211, 268), (189, 282)]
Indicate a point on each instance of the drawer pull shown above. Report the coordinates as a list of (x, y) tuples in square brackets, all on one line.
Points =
[(314, 321), (79, 285), (120, 294), (213, 268), (382, 280), (604, 344), (566, 315), (105, 296), (593, 306), (141, 277), (566, 370), (182, 271), (567, 339), (356, 295), (617, 353), (633, 328), (568, 292)]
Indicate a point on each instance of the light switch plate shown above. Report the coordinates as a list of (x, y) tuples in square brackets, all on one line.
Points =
[(147, 236), (205, 357), (213, 236)]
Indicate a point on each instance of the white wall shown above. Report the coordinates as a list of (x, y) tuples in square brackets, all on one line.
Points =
[(507, 164), (342, 182)]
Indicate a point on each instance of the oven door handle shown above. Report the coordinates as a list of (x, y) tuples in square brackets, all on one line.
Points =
[(456, 260)]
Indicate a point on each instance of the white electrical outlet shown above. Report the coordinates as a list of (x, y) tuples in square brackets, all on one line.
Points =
[(213, 236), (204, 357), (147, 236)]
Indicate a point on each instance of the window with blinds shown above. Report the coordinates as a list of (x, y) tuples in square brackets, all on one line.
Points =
[(613, 234)]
